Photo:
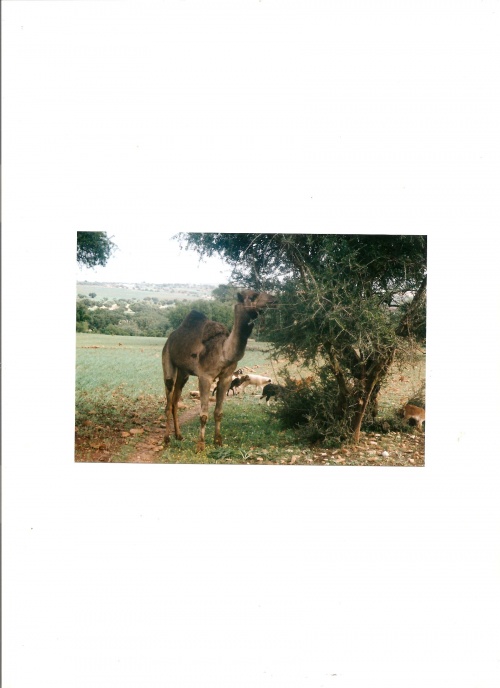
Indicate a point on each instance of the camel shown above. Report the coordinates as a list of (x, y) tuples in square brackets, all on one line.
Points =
[(205, 348)]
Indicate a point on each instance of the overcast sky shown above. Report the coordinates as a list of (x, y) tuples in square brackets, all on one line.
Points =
[(156, 258)]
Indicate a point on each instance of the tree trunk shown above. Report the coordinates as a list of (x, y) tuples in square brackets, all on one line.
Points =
[(371, 385), (358, 417)]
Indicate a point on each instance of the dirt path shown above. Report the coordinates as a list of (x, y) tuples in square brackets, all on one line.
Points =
[(147, 450)]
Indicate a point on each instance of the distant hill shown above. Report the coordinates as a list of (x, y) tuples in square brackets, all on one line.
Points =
[(142, 290)]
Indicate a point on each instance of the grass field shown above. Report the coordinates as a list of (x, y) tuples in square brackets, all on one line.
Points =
[(119, 413)]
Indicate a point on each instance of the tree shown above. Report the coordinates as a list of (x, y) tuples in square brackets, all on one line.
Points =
[(349, 305), (93, 248), (225, 293)]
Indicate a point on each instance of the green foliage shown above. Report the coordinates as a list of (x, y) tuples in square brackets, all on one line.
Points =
[(93, 248), (145, 317), (225, 293), (313, 409), (215, 310)]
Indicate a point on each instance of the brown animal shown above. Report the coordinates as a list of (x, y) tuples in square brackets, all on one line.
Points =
[(205, 348), (415, 412)]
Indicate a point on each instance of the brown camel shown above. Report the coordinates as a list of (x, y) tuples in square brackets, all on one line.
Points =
[(205, 348)]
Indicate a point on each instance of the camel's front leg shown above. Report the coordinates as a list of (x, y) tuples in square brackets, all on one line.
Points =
[(204, 387), (223, 386)]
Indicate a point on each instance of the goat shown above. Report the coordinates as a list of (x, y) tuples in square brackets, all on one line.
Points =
[(271, 390), (236, 375), (257, 380), (235, 383), (416, 413)]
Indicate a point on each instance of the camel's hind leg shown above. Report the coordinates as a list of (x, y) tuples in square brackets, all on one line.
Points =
[(180, 381), (169, 391), (169, 378)]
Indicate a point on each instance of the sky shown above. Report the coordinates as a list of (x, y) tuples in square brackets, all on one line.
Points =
[(156, 258)]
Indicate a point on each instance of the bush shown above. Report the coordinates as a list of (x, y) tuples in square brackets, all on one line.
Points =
[(313, 410)]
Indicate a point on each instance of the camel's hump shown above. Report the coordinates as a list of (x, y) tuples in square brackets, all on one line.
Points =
[(193, 319), (204, 328)]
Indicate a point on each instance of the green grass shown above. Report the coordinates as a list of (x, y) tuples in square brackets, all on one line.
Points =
[(106, 363), (249, 432)]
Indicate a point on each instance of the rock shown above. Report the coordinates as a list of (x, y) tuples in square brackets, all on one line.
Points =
[(385, 454)]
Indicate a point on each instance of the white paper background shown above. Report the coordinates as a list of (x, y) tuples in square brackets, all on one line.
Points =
[(250, 116)]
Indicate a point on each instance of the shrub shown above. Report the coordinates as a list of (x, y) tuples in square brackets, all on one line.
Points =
[(313, 410)]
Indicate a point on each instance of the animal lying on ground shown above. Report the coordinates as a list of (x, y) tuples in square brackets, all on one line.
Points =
[(271, 390), (251, 379), (415, 412), (205, 348)]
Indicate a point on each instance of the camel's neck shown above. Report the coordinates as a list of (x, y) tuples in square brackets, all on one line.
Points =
[(235, 344)]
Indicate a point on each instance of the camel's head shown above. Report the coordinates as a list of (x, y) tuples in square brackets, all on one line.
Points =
[(255, 302)]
